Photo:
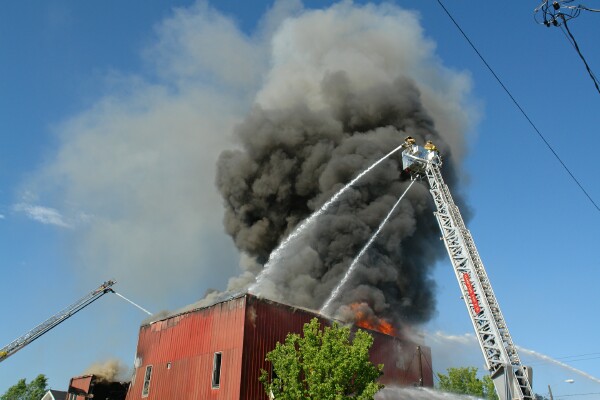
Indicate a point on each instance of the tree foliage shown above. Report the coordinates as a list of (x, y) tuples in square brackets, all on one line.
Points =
[(22, 390), (464, 381), (323, 365)]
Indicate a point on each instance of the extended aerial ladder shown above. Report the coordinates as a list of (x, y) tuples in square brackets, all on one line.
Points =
[(511, 379), (56, 319)]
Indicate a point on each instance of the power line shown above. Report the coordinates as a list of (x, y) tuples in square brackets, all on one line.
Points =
[(570, 359), (520, 108), (574, 43), (558, 11), (578, 355), (576, 394)]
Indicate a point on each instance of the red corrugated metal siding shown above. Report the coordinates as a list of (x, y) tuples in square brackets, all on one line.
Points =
[(243, 329), (266, 324), (269, 322), (188, 342), (400, 359)]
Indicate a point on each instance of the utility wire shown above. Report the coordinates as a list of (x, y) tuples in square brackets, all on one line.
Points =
[(574, 43), (519, 107), (435, 377)]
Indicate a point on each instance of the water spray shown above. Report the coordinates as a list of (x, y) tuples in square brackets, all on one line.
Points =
[(336, 291), (551, 360), (469, 338), (276, 254), (137, 305)]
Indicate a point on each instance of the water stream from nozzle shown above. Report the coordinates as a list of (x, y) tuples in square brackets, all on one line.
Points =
[(453, 340), (276, 254), (137, 305), (324, 309)]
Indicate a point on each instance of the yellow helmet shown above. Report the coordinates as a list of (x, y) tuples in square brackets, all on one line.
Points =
[(430, 146)]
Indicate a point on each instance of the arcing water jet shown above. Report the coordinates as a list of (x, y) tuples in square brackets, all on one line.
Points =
[(325, 308), (275, 256)]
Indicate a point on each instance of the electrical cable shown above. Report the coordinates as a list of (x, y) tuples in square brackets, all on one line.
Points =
[(578, 355), (569, 359), (574, 42), (520, 108), (553, 15), (431, 368)]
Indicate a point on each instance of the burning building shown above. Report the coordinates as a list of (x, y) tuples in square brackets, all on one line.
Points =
[(95, 387), (217, 352)]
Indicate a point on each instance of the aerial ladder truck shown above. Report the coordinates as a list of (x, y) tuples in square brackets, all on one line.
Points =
[(511, 379), (54, 320)]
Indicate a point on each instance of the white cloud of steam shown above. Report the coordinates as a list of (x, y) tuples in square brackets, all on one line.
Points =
[(44, 215), (141, 160)]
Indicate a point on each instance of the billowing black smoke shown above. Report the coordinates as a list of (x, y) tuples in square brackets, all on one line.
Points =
[(294, 159)]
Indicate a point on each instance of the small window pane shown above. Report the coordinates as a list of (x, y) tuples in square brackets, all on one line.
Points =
[(147, 377), (216, 377)]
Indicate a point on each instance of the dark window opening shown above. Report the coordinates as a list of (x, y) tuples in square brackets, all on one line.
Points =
[(216, 375), (147, 377), (273, 374)]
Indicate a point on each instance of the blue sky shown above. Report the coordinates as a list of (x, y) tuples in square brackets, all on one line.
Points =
[(71, 67)]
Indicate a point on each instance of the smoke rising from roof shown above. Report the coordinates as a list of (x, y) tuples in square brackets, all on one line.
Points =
[(109, 371), (312, 97), (347, 84)]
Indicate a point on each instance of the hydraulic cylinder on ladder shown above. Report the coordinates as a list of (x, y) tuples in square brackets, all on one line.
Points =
[(511, 379), (54, 320)]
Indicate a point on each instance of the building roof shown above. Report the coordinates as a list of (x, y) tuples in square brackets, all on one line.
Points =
[(223, 298), (55, 395), (227, 296)]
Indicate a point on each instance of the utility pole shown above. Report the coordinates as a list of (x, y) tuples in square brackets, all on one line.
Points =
[(420, 367), (550, 391)]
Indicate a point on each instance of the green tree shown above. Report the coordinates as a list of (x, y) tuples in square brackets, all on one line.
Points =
[(464, 381), (22, 390), (323, 365)]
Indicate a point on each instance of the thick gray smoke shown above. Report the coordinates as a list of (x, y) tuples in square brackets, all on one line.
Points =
[(347, 85), (111, 370)]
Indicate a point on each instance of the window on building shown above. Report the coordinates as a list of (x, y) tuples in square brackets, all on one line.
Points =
[(216, 375), (72, 396), (147, 377)]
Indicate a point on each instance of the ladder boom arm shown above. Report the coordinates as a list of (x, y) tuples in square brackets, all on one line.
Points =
[(55, 320), (511, 378)]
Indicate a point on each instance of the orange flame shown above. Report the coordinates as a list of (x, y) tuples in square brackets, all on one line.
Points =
[(371, 322)]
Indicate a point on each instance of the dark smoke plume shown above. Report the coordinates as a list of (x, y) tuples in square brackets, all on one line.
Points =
[(297, 153), (294, 160)]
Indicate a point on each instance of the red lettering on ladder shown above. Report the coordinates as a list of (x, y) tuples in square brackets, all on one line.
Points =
[(474, 301)]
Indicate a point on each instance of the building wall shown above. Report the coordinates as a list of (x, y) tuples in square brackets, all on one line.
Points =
[(92, 387), (181, 350), (79, 385), (400, 359), (266, 324), (269, 322)]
